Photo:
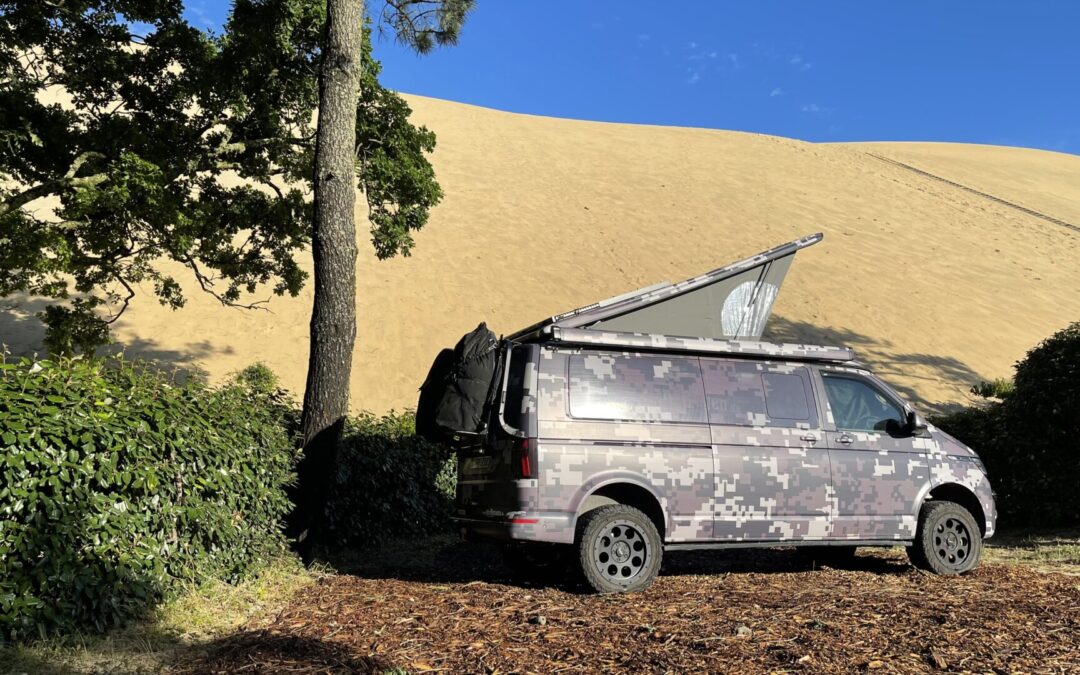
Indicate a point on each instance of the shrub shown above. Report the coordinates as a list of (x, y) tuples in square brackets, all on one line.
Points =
[(388, 481), (117, 482), (1030, 440)]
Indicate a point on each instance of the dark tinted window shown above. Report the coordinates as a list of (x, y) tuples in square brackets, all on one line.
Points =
[(734, 392), (756, 394), (646, 388), (785, 396), (517, 405), (857, 405)]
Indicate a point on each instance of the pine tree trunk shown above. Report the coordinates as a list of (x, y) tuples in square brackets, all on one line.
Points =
[(333, 316)]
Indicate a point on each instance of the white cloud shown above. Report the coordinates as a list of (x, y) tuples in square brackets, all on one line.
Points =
[(795, 60), (815, 109), (695, 77), (776, 92)]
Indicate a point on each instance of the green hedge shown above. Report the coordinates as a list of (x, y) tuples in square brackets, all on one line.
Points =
[(388, 482), (1029, 439), (116, 482)]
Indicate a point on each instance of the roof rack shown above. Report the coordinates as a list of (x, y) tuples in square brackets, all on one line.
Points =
[(582, 336)]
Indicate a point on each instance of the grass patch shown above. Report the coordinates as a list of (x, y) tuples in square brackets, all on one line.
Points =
[(179, 628), (1045, 550)]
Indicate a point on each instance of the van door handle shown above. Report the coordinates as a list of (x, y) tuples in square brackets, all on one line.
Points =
[(808, 438), (846, 439)]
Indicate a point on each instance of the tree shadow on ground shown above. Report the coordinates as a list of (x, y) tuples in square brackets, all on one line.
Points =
[(23, 334), (879, 356), (262, 651), (446, 559)]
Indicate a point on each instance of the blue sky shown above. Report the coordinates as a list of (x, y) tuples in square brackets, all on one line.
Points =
[(992, 71)]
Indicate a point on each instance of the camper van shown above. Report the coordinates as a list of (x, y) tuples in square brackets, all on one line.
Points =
[(659, 421)]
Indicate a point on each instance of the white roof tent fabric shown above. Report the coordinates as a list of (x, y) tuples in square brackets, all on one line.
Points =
[(730, 303)]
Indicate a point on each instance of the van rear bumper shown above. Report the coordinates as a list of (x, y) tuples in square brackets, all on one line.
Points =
[(552, 528)]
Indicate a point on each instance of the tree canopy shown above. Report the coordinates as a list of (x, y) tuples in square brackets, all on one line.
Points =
[(159, 140)]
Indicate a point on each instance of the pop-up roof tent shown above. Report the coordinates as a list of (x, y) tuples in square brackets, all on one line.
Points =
[(722, 310)]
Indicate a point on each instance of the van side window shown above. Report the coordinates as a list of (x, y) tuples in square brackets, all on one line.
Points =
[(785, 396), (753, 394), (857, 405), (641, 388), (514, 410)]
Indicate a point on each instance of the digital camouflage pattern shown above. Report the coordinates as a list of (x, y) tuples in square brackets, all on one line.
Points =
[(606, 417), (585, 336)]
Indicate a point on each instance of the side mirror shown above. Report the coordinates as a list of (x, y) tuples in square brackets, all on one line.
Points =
[(915, 424)]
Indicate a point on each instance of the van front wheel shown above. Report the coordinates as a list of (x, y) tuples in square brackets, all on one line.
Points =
[(947, 539), (619, 549)]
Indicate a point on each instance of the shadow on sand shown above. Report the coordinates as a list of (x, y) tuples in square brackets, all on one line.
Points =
[(23, 334), (889, 366)]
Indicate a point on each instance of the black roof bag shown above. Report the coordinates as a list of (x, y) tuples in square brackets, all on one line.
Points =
[(453, 399)]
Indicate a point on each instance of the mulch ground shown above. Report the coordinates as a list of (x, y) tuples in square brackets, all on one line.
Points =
[(441, 606)]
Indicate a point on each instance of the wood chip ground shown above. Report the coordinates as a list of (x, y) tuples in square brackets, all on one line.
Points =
[(439, 606)]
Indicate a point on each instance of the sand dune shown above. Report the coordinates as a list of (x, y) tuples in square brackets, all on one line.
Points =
[(934, 285)]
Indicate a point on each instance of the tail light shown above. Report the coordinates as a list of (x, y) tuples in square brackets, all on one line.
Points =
[(525, 460)]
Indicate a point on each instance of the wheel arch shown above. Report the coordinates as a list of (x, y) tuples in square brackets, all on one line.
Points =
[(629, 494), (958, 494)]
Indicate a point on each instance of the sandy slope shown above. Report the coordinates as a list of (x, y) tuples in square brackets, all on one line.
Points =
[(935, 286)]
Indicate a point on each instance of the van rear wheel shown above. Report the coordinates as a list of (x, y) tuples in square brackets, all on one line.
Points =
[(619, 549), (947, 539)]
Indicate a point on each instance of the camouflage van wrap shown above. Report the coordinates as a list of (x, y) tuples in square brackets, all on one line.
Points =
[(726, 449)]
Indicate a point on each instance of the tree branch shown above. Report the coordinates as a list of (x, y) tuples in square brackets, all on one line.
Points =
[(68, 180), (207, 284)]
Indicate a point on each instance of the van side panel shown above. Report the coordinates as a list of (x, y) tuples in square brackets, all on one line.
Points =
[(773, 480), (672, 461)]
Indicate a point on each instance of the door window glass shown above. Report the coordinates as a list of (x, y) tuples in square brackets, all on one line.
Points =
[(857, 405), (752, 393), (640, 388), (785, 396)]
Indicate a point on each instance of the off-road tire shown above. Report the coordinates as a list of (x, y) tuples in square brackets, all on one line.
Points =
[(618, 549), (838, 557), (947, 539)]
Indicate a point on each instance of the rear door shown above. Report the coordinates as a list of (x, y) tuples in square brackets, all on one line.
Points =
[(490, 484), (772, 463), (878, 479)]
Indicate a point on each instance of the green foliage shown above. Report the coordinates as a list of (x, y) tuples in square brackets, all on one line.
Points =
[(388, 482), (422, 24), (1030, 439), (999, 388), (117, 484), (143, 157)]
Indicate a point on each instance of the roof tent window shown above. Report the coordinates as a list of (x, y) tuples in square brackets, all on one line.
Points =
[(735, 307), (640, 388)]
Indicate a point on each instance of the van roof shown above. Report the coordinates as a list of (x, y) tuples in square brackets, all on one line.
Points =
[(647, 341)]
